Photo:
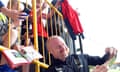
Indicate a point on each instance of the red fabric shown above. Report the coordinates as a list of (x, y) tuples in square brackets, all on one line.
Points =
[(41, 29), (72, 16)]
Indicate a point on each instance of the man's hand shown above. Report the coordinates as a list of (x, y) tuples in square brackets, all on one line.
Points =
[(100, 68), (112, 51), (14, 14)]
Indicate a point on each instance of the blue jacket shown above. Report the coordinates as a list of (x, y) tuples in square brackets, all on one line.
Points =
[(71, 65)]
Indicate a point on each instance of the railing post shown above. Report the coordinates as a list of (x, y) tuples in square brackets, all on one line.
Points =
[(37, 69)]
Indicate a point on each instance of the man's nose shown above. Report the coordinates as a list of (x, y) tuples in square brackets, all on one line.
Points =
[(63, 48)]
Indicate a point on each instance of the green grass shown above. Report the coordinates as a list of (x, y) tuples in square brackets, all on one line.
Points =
[(110, 70), (113, 70)]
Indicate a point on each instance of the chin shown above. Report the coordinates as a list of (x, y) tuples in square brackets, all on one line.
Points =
[(65, 56)]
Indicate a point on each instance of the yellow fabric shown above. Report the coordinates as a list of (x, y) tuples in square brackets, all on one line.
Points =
[(3, 17)]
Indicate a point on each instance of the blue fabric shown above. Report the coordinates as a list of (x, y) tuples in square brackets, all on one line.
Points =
[(54, 1), (27, 8), (6, 68), (1, 4), (85, 61), (96, 60)]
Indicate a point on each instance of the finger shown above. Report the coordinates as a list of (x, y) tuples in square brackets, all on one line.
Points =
[(104, 68)]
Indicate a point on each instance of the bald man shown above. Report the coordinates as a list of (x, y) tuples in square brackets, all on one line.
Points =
[(64, 62)]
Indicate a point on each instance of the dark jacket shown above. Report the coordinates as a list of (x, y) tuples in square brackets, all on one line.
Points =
[(70, 65)]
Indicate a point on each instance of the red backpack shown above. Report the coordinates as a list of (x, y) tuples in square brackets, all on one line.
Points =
[(72, 16)]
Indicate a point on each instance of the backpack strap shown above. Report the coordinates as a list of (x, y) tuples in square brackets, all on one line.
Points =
[(81, 63)]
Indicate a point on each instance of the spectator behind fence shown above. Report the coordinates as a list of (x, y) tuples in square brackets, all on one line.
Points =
[(64, 62), (14, 14), (22, 8), (42, 33)]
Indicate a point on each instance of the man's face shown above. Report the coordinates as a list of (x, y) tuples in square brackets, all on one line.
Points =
[(58, 49)]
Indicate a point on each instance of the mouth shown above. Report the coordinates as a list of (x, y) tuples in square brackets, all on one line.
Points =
[(63, 53)]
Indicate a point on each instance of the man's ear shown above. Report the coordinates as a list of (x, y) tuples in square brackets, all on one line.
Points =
[(68, 50), (49, 50)]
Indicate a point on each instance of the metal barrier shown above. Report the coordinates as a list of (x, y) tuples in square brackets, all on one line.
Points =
[(37, 62)]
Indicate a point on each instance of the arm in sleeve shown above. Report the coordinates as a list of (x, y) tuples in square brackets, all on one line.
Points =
[(96, 60)]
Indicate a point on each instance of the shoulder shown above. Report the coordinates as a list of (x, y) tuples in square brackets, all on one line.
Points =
[(51, 68)]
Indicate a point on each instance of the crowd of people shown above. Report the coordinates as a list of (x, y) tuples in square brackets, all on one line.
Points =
[(61, 59)]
